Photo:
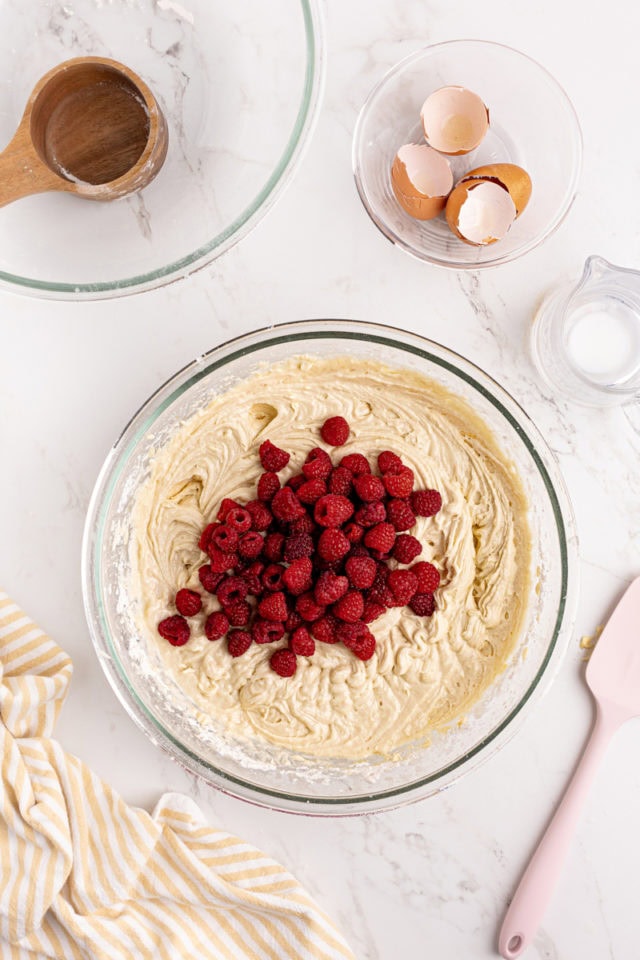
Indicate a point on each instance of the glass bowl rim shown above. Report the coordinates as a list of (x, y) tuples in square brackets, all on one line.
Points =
[(288, 162), (172, 389), (397, 239)]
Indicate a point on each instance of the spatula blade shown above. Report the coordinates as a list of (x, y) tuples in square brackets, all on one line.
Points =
[(613, 671)]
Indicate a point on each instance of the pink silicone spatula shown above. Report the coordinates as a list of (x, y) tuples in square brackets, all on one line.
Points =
[(613, 674)]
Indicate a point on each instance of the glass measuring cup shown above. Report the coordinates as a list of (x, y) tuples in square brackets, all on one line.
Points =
[(585, 338)]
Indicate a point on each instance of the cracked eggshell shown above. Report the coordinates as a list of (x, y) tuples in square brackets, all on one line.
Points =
[(454, 119), (480, 211), (513, 178), (422, 180)]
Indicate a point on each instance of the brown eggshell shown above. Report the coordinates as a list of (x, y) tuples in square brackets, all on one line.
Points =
[(455, 120), (421, 180), (516, 180), (499, 209)]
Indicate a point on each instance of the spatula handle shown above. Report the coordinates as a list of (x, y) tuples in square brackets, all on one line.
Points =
[(539, 879)]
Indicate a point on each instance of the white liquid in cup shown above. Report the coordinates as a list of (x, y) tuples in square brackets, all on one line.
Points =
[(603, 341)]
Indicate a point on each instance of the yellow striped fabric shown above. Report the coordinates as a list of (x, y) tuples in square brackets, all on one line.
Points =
[(83, 875)]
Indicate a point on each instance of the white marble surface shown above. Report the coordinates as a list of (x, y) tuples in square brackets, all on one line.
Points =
[(431, 879)]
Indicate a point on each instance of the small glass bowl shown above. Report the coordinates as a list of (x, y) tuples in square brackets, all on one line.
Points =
[(273, 776), (239, 84), (532, 124)]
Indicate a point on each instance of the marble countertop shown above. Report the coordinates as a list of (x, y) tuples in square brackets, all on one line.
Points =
[(431, 879)]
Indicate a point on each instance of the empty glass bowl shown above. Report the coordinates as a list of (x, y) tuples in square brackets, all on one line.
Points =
[(533, 125), (239, 84), (273, 775)]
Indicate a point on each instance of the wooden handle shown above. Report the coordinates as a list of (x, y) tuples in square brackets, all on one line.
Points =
[(22, 172)]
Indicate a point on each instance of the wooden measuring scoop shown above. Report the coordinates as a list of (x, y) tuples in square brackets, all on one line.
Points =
[(91, 127)]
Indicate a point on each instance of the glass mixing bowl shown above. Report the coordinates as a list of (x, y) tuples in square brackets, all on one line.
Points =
[(288, 780), (239, 84), (533, 125)]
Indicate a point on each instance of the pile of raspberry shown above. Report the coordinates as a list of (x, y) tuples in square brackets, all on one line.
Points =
[(310, 559)]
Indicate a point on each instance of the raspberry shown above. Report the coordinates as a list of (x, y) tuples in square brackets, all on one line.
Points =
[(297, 577), (399, 484), (318, 464), (284, 663), (271, 578), (273, 607), (425, 503), (350, 607), (308, 608), (216, 625), (232, 590), (238, 613), (423, 604), (403, 585), (333, 545), (301, 525), (365, 647), (226, 505), (353, 532), (330, 588), (238, 518), (205, 536), (427, 576), (371, 514), (325, 628), (238, 642), (261, 516), (384, 597), (268, 486), (188, 602), (264, 631), (368, 487), (273, 458), (406, 548), (175, 629), (381, 537), (389, 462), (273, 549), (251, 577), (293, 621), (361, 571), (302, 643), (383, 555), (400, 514), (221, 562), (356, 464), (251, 545), (332, 510), (209, 579), (298, 546), (225, 538), (322, 566), (372, 611), (359, 550), (380, 581), (358, 638), (286, 506), (341, 481), (335, 431), (311, 490), (296, 481)]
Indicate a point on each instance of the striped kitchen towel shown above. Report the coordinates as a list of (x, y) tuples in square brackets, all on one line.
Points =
[(83, 875)]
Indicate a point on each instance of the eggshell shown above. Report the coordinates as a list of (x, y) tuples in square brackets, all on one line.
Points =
[(480, 211), (454, 119), (516, 180), (422, 180)]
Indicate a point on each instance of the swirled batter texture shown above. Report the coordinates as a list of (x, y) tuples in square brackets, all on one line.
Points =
[(425, 672)]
